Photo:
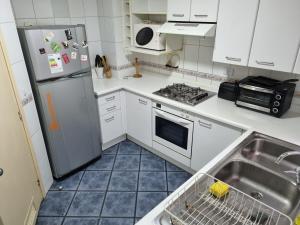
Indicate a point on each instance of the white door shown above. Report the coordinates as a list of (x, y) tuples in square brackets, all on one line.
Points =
[(139, 117), (210, 138), (277, 34), (179, 10), (297, 65), (204, 10), (20, 195), (235, 26)]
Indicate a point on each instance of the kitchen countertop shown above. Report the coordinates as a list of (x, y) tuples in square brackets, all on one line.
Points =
[(286, 128)]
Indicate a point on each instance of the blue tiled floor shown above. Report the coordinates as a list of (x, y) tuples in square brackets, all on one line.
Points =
[(119, 189)]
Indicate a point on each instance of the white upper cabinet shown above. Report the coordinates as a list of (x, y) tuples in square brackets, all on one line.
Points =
[(179, 10), (277, 34), (204, 10), (235, 27), (297, 65)]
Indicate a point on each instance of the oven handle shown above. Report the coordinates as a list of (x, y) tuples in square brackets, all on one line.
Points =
[(174, 119)]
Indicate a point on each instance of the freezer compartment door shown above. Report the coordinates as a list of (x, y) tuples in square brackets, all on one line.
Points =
[(57, 52), (70, 122)]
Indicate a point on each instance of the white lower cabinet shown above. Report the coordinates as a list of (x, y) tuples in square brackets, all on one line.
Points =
[(209, 139), (111, 116), (139, 118)]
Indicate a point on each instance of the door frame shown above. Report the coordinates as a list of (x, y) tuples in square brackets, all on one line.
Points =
[(21, 114)]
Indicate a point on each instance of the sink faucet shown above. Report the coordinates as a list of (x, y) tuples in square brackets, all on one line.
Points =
[(296, 171), (284, 155)]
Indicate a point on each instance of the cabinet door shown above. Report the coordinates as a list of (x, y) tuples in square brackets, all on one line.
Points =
[(210, 138), (139, 119), (236, 21), (276, 36), (179, 10), (111, 126), (204, 10), (297, 65)]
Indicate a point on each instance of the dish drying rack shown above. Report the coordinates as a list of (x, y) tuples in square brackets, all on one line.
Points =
[(195, 205)]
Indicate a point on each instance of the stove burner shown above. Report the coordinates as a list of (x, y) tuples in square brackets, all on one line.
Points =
[(184, 93)]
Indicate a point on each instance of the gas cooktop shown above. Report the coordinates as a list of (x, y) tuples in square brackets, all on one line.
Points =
[(184, 93)]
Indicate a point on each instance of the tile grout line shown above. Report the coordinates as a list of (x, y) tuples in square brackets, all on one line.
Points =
[(137, 188), (105, 193)]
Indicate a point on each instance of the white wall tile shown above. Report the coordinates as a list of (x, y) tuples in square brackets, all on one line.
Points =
[(109, 50), (191, 57), (90, 7), (6, 13), (31, 118), (92, 28), (42, 160), (191, 40), (220, 69), (94, 49), (60, 8), (22, 80), (12, 42), (205, 59), (23, 9), (25, 22), (62, 21), (100, 7), (207, 41), (79, 20), (76, 8), (43, 8), (112, 8), (45, 21)]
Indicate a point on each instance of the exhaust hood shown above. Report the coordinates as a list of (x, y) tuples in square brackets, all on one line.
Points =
[(191, 29)]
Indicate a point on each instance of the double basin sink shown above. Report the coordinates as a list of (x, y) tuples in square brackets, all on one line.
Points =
[(251, 168)]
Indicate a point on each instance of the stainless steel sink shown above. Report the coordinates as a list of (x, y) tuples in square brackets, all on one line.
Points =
[(272, 189), (251, 168)]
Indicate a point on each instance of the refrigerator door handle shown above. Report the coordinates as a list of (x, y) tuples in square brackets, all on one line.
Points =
[(79, 75)]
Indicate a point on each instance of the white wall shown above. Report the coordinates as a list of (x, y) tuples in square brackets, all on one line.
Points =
[(9, 32), (62, 12)]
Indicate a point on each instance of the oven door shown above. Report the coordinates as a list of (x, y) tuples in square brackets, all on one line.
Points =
[(260, 100), (173, 132)]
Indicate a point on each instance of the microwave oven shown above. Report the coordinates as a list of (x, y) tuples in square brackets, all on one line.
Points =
[(266, 95), (147, 36)]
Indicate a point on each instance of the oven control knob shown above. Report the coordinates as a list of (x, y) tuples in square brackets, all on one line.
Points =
[(276, 103), (278, 97), (275, 110)]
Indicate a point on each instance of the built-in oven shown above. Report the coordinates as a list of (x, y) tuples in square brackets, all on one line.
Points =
[(173, 129)]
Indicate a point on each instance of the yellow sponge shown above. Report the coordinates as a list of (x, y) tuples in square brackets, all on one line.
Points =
[(297, 220), (219, 189)]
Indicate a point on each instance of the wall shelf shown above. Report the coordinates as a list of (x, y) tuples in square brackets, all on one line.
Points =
[(149, 13), (150, 52)]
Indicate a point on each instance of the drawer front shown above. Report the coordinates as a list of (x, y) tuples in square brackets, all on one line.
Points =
[(111, 126), (109, 107), (109, 98)]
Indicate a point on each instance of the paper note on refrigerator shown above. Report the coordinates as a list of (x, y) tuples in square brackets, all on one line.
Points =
[(55, 63)]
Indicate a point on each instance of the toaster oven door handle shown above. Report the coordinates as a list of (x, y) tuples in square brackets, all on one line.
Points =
[(172, 118), (258, 89)]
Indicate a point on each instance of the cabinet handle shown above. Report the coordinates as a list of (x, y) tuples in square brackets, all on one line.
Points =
[(200, 15), (206, 125), (265, 63), (178, 15), (109, 119), (110, 98), (111, 108), (233, 59), (143, 102)]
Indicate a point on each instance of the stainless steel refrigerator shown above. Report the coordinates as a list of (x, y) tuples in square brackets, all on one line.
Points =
[(58, 63)]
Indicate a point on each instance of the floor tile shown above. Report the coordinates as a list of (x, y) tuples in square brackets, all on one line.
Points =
[(128, 147), (123, 181), (81, 221), (176, 179), (113, 150), (147, 201), (127, 162), (69, 183), (151, 162), (116, 221), (49, 220), (86, 204), (172, 167), (152, 181), (56, 203), (95, 180), (106, 162), (145, 152), (119, 204)]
